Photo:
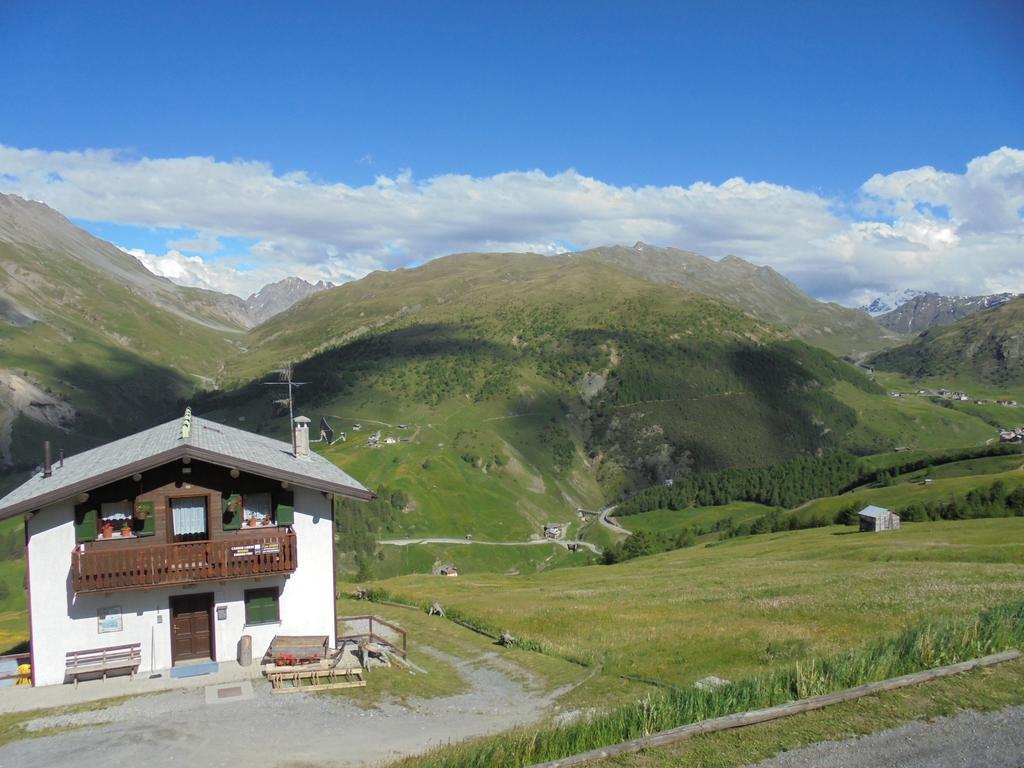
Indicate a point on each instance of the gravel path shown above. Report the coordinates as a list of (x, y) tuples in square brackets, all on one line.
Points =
[(977, 740), (178, 728)]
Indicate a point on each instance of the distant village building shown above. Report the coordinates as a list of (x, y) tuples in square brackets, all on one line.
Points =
[(1012, 435), (874, 518), (326, 431), (448, 570), (553, 531)]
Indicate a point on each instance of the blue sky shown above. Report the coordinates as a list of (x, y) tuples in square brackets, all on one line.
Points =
[(814, 97)]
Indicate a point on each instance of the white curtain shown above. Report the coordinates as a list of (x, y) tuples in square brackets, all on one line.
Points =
[(256, 505), (189, 516), (116, 511)]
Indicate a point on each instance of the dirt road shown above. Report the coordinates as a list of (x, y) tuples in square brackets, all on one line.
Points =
[(179, 728)]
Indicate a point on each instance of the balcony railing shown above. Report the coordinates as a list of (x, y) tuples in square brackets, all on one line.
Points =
[(95, 569)]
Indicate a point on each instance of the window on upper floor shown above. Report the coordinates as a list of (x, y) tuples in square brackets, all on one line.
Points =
[(115, 520), (257, 509)]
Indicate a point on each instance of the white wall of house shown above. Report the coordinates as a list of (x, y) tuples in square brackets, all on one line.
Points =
[(63, 621)]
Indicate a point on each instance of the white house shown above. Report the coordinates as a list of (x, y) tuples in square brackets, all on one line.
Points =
[(874, 518), (175, 542)]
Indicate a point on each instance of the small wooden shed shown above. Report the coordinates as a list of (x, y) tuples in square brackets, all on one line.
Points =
[(874, 518)]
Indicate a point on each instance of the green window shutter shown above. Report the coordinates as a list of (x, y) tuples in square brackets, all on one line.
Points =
[(85, 525), (284, 508), (146, 510), (232, 509), (261, 606)]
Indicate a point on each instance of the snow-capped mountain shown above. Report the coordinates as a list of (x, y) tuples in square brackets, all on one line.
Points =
[(926, 310), (889, 301)]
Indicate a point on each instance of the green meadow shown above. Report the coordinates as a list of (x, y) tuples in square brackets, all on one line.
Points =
[(735, 607)]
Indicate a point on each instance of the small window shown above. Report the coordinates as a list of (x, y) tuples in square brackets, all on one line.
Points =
[(256, 510), (188, 517), (115, 519), (261, 606)]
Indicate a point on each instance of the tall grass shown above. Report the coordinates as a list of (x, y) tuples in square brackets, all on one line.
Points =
[(926, 645), (477, 625)]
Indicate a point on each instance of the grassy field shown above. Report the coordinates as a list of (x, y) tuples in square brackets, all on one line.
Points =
[(909, 491), (473, 558), (914, 422), (440, 646), (733, 608), (982, 690), (674, 521), (991, 465)]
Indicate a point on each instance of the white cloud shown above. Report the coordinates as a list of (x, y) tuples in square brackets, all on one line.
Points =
[(921, 228)]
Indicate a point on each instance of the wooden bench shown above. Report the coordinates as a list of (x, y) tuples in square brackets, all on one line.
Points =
[(114, 658)]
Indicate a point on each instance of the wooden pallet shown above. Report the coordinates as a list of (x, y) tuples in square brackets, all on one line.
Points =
[(297, 681)]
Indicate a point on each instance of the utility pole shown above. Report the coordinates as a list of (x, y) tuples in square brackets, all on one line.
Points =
[(285, 375)]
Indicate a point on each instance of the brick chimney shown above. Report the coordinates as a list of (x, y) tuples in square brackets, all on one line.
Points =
[(301, 437)]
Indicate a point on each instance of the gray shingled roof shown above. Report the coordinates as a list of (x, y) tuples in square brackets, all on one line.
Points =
[(207, 441)]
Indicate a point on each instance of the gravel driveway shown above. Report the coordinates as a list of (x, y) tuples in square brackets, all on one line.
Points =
[(179, 729), (969, 739)]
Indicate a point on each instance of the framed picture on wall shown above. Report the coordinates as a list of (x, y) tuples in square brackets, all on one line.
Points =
[(109, 619)]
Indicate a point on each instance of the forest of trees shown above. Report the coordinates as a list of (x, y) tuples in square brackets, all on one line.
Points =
[(359, 523), (781, 485), (790, 483)]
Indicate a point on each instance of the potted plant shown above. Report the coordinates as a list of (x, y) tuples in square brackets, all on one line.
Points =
[(108, 529), (126, 529), (252, 522)]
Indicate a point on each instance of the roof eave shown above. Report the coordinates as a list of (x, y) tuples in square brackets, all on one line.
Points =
[(180, 452), (90, 483), (297, 478)]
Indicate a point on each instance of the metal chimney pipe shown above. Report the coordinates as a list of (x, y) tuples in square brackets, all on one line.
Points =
[(60, 453), (47, 462)]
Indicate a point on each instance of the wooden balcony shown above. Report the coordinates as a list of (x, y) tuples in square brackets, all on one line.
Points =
[(95, 569)]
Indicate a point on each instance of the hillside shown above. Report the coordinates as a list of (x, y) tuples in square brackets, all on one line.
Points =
[(926, 310), (92, 345), (986, 347), (759, 291), (742, 605), (562, 377)]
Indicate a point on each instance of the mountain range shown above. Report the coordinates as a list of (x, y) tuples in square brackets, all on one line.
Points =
[(758, 290), (986, 347), (927, 310), (526, 383)]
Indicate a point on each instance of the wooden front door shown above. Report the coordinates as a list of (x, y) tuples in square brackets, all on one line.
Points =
[(191, 627)]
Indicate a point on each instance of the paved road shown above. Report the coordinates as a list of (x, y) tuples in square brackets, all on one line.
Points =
[(977, 740), (604, 518), (560, 542)]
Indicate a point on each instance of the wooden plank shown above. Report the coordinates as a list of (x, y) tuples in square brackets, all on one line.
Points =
[(754, 717)]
